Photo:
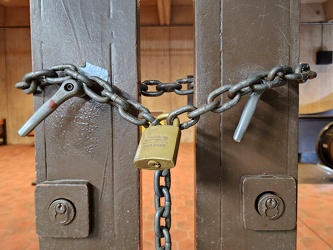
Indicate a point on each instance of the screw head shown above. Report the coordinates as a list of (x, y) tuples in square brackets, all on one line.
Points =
[(270, 206), (69, 87), (61, 212)]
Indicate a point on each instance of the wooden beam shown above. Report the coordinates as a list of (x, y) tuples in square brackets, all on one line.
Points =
[(160, 9), (17, 16), (328, 6), (15, 3), (3, 76), (182, 15), (2, 16), (149, 15), (313, 12), (167, 11)]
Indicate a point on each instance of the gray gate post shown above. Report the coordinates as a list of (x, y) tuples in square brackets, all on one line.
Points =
[(233, 39), (85, 149)]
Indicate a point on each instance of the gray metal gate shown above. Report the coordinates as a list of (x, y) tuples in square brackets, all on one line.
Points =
[(246, 192)]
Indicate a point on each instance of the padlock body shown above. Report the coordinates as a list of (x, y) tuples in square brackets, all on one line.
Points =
[(158, 144)]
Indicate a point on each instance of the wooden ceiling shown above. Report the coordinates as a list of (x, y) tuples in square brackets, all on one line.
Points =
[(152, 12), (166, 12), (14, 3)]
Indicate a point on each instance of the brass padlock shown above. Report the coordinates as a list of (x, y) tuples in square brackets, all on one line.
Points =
[(158, 147)]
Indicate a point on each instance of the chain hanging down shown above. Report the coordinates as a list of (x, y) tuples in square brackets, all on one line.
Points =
[(162, 212)]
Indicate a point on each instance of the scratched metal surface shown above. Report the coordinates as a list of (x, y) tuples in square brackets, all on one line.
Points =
[(234, 38), (84, 139)]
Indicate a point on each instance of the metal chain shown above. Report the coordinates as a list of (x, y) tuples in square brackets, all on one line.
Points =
[(164, 211), (161, 88), (102, 91)]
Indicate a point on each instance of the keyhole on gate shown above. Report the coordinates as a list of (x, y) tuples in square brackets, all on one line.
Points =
[(60, 208), (270, 206), (61, 212)]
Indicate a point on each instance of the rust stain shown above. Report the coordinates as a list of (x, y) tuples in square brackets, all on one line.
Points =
[(52, 104)]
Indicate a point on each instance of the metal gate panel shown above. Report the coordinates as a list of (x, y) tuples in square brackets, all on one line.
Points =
[(233, 39), (85, 141)]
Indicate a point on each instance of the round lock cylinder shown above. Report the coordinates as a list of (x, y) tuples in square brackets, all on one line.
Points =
[(270, 206), (61, 212)]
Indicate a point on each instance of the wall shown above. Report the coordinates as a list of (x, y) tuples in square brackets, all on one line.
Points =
[(15, 61), (167, 54), (316, 95)]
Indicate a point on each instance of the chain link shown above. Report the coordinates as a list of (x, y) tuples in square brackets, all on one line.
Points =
[(161, 88), (137, 114), (164, 211), (260, 81)]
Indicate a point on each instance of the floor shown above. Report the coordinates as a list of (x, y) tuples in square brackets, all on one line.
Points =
[(17, 226)]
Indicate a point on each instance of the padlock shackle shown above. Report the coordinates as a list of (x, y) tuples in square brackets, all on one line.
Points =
[(164, 116)]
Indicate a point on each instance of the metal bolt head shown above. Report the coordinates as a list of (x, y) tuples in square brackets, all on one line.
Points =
[(69, 86), (270, 206), (61, 212)]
